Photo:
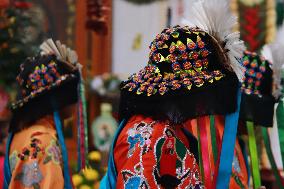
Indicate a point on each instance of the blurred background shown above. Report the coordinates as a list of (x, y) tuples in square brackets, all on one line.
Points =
[(111, 38)]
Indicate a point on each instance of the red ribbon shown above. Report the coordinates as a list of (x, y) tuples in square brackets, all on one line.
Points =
[(205, 151)]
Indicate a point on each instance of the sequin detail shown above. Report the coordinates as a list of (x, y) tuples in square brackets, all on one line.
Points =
[(13, 160), (256, 67), (171, 156), (140, 136), (44, 77), (31, 175), (186, 61), (32, 151), (135, 180), (53, 153)]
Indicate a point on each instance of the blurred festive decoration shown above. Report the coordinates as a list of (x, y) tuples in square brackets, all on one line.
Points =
[(4, 3), (96, 16), (89, 177), (4, 100), (137, 42), (71, 4), (280, 12), (103, 128), (19, 29), (258, 21), (106, 84), (142, 1)]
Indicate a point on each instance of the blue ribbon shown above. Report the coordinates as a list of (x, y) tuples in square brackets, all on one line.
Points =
[(67, 179), (109, 180), (228, 146), (7, 170)]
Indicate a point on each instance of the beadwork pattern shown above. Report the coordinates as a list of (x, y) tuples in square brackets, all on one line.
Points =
[(43, 78), (256, 66), (187, 63)]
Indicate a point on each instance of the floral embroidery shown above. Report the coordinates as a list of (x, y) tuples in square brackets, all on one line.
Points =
[(31, 175), (135, 180), (31, 152), (140, 134), (13, 160), (53, 153)]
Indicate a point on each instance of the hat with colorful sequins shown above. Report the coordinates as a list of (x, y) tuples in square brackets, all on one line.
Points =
[(45, 83), (257, 103), (187, 69)]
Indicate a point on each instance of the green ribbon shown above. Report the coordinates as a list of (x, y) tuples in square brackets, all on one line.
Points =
[(213, 138), (253, 154), (280, 125), (200, 155), (271, 157)]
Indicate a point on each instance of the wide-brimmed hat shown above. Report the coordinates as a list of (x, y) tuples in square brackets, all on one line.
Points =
[(257, 100), (46, 83), (187, 67)]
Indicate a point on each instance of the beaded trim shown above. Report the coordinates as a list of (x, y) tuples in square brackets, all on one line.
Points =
[(189, 64), (256, 66)]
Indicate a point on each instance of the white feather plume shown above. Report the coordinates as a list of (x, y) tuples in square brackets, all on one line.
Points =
[(60, 50), (215, 17), (275, 54)]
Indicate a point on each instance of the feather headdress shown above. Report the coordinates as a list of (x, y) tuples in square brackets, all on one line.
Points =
[(215, 18), (274, 53)]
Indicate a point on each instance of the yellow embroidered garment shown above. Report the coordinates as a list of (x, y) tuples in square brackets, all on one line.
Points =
[(35, 157)]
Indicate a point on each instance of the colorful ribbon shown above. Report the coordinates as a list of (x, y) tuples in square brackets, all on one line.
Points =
[(228, 146), (66, 172), (84, 118), (7, 170), (253, 155), (213, 138), (82, 129), (109, 180), (279, 179), (205, 151)]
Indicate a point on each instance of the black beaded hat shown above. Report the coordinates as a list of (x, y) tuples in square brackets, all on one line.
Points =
[(46, 83), (257, 103)]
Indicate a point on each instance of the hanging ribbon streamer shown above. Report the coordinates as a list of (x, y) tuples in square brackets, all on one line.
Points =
[(245, 155), (253, 155), (7, 170), (213, 138), (79, 162), (228, 146), (205, 151), (279, 179), (82, 125), (200, 155), (84, 117), (280, 125), (66, 173), (109, 180)]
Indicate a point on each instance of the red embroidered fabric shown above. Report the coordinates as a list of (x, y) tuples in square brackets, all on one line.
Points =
[(150, 154)]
